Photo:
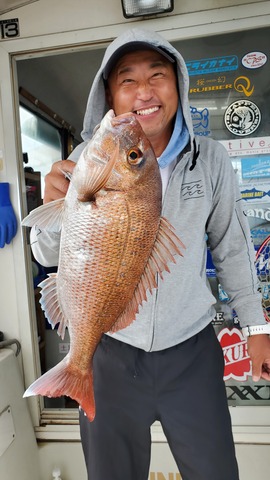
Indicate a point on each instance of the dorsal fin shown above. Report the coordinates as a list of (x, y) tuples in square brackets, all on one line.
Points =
[(166, 246), (50, 304)]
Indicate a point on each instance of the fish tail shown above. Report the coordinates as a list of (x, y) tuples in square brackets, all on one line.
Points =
[(65, 380)]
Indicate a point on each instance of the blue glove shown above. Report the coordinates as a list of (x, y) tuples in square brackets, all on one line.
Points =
[(8, 222)]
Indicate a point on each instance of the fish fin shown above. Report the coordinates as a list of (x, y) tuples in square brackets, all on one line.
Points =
[(96, 179), (166, 246), (50, 304), (65, 380), (48, 216)]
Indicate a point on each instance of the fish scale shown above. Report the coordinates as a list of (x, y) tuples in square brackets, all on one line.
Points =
[(113, 244)]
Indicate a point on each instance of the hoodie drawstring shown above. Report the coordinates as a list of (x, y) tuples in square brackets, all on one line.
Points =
[(195, 155)]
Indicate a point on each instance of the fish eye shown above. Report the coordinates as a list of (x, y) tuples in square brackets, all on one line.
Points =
[(134, 156)]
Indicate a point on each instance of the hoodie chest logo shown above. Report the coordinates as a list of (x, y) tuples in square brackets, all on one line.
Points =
[(192, 190)]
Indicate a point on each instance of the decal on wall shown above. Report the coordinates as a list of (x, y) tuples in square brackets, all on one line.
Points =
[(246, 393), (255, 167), (210, 88), (210, 267), (254, 60), (9, 28), (212, 65), (253, 193), (247, 146), (200, 120), (243, 85), (242, 117), (237, 360)]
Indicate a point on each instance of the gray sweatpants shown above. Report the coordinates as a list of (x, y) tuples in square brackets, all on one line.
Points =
[(182, 387)]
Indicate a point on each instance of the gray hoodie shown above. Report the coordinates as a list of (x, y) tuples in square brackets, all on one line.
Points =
[(202, 201)]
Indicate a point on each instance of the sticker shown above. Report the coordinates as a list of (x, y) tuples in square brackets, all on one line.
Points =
[(210, 88), (222, 295), (254, 60), (255, 167), (260, 233), (219, 319), (254, 193), (246, 146), (9, 28), (212, 65), (237, 360), (242, 117), (210, 267), (200, 120), (243, 85), (204, 81), (262, 214)]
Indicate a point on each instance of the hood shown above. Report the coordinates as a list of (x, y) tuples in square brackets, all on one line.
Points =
[(97, 106)]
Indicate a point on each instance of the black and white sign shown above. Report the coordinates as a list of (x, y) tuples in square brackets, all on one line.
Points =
[(242, 117), (9, 29)]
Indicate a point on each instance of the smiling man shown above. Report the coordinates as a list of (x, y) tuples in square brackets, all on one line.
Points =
[(144, 82), (168, 365)]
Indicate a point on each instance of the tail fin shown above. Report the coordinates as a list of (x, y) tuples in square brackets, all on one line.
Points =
[(65, 380)]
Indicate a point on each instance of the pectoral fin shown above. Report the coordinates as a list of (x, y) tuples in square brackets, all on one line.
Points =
[(95, 178), (166, 246), (48, 216)]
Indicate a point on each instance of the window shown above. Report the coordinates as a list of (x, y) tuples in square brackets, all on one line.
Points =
[(229, 98), (41, 143)]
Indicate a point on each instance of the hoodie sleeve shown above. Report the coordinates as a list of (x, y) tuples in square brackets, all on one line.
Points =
[(230, 243)]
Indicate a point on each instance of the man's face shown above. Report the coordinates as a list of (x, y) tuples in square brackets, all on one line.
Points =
[(144, 83)]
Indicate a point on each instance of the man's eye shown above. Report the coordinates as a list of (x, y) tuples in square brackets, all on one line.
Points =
[(158, 74), (127, 80)]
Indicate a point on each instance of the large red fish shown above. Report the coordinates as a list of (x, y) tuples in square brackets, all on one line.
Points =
[(113, 243)]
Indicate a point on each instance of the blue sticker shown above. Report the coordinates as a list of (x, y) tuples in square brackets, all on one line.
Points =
[(255, 167), (254, 194), (200, 120), (212, 65), (222, 295), (210, 267)]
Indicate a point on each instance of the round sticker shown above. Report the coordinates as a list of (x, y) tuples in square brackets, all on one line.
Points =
[(254, 60), (242, 117)]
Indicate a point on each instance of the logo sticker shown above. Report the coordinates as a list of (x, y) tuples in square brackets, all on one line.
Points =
[(246, 146), (254, 60), (200, 120), (212, 65), (255, 167), (252, 193), (242, 117), (237, 360), (243, 85)]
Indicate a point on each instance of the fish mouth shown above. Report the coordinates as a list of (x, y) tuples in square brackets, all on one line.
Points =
[(143, 112)]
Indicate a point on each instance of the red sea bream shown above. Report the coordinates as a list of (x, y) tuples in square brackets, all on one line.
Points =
[(114, 242)]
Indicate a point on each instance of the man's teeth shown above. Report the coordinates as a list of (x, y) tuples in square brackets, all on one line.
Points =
[(147, 111)]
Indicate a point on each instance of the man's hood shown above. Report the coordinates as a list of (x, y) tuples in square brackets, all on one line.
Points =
[(97, 106)]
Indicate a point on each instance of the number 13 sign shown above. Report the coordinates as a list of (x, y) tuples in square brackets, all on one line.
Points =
[(9, 28)]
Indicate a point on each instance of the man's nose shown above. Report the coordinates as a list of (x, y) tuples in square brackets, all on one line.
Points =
[(144, 91)]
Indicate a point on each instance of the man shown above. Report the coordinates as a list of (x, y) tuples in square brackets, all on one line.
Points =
[(168, 365)]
